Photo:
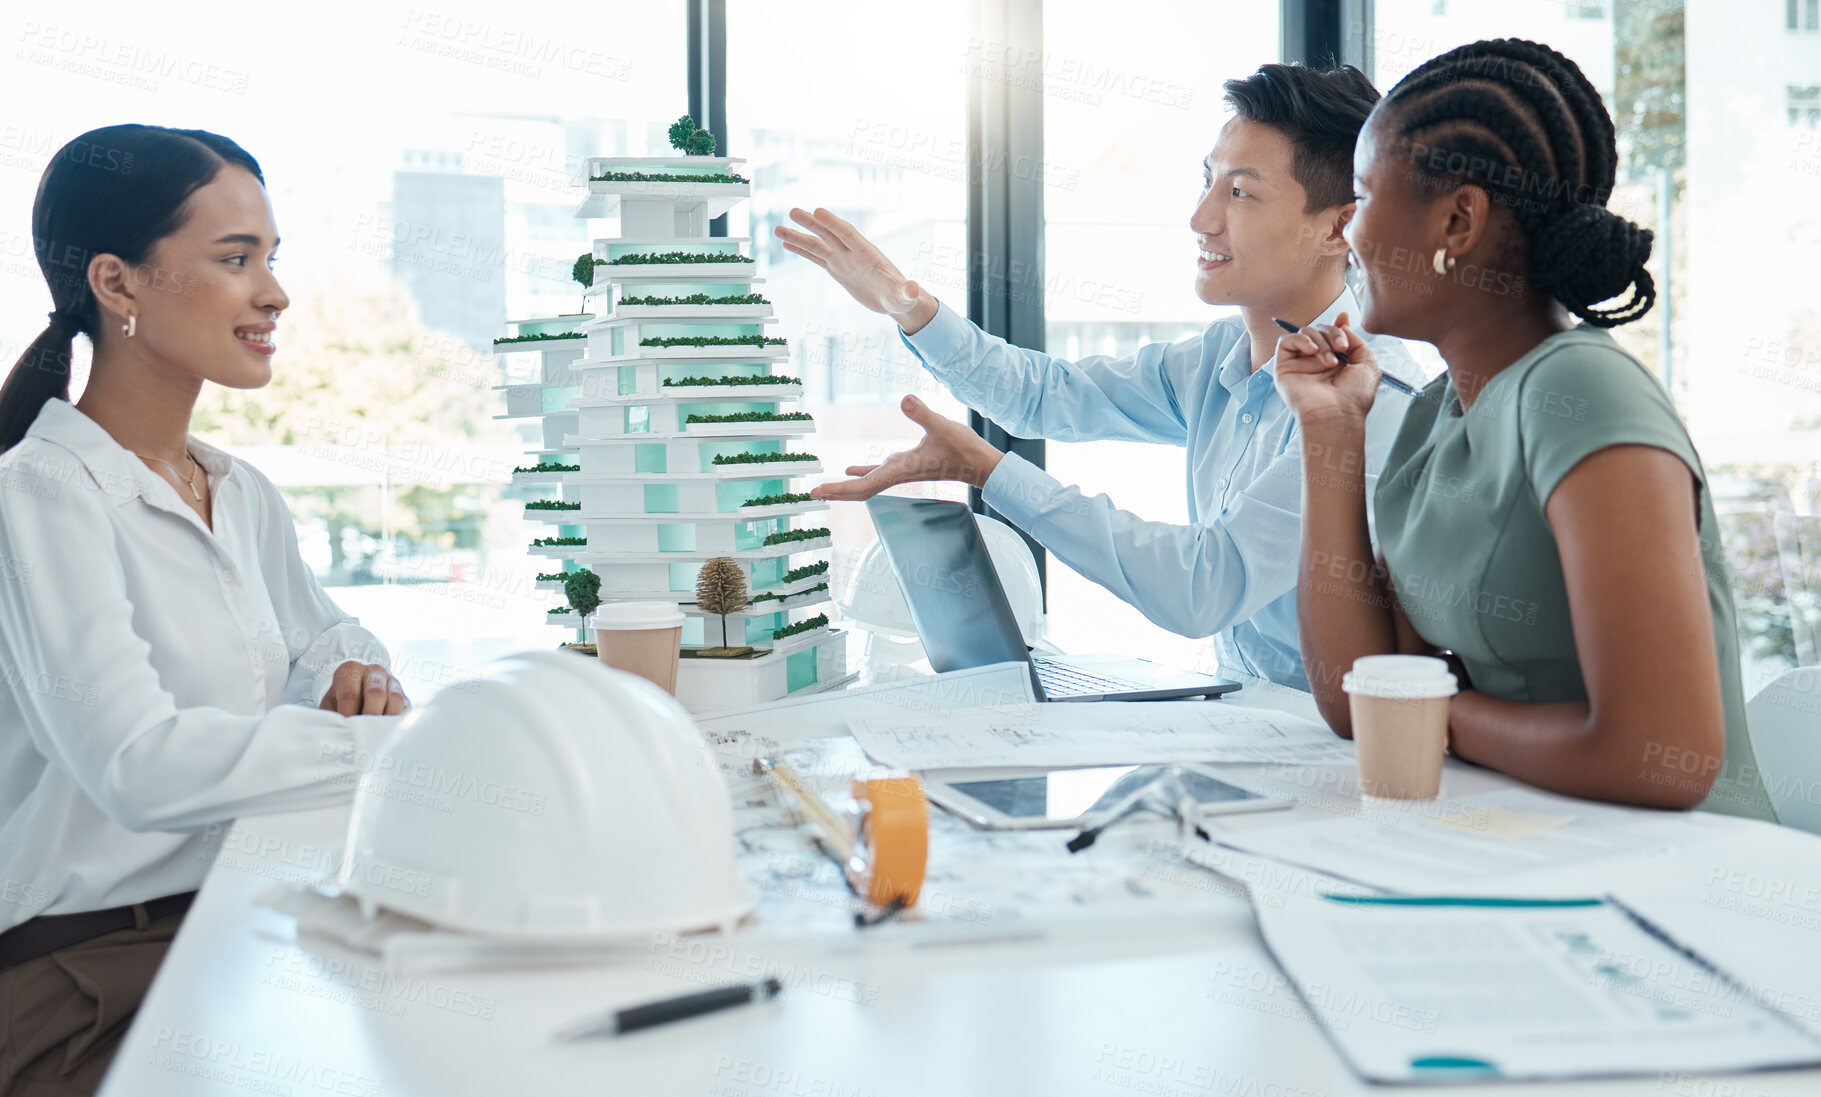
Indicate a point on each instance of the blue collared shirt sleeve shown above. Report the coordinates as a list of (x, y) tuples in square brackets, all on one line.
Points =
[(1033, 395), (1194, 580)]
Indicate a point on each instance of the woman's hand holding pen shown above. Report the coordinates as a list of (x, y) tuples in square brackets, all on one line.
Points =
[(859, 266), (1326, 371)]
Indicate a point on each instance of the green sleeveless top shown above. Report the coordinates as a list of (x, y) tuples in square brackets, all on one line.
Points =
[(1459, 515)]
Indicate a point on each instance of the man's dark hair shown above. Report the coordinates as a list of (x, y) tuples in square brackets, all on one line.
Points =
[(1320, 111)]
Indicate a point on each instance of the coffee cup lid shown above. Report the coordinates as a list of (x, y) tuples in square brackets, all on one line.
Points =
[(636, 615), (1404, 676)]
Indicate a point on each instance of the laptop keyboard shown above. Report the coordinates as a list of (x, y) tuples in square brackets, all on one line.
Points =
[(1061, 680)]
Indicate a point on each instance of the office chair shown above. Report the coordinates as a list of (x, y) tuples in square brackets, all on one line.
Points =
[(1784, 722)]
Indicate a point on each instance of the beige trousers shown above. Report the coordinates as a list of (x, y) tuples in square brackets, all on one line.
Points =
[(62, 1014)]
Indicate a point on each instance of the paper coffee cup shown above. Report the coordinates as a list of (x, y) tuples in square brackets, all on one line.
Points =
[(1399, 705), (642, 638)]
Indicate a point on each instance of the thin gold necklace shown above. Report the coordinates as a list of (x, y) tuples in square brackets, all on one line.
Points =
[(189, 481)]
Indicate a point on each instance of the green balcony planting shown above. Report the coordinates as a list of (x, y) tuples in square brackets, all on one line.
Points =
[(711, 341), (753, 417), (780, 597), (666, 177), (667, 257), (808, 625), (541, 337), (777, 500), (790, 535), (761, 458), (794, 574), (709, 382), (697, 299)]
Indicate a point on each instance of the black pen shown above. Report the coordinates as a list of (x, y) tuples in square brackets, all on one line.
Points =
[(670, 1009), (1400, 386)]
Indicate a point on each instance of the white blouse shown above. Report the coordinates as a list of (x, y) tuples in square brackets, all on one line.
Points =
[(157, 679)]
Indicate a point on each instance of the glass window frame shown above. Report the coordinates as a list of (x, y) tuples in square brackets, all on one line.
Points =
[(1005, 210)]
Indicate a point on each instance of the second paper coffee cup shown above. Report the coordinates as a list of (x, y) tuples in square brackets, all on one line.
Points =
[(1399, 705), (642, 638)]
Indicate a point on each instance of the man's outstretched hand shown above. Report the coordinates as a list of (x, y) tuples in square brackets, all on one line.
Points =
[(948, 451), (859, 266)]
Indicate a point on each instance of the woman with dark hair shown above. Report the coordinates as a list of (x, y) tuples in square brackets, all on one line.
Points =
[(167, 661), (1543, 518)]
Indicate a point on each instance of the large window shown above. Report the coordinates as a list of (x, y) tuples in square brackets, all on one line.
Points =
[(1805, 106), (1127, 120), (418, 161), (826, 115)]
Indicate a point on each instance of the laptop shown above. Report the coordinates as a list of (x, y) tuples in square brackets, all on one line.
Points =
[(965, 619)]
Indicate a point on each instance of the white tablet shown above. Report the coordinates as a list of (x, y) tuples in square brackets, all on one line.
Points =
[(1082, 797)]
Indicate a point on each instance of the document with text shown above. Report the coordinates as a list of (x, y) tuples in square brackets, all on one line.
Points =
[(1474, 841), (1446, 991), (1098, 733), (924, 697)]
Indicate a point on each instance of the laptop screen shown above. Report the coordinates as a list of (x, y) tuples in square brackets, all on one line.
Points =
[(948, 580)]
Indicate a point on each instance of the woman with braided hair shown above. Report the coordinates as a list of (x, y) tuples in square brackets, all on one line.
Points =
[(1543, 520)]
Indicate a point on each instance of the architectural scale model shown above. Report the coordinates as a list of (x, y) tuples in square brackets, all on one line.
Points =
[(670, 435)]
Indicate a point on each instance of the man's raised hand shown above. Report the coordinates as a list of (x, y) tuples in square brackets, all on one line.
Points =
[(859, 266)]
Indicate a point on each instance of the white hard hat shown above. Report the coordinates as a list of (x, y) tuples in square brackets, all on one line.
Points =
[(874, 601), (553, 797)]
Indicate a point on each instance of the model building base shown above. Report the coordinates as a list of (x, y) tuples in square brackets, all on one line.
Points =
[(799, 664)]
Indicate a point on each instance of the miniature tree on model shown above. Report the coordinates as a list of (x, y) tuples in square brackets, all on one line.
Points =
[(686, 138), (583, 589), (583, 272), (721, 588)]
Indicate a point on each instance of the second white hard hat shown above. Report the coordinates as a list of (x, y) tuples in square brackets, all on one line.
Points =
[(874, 601)]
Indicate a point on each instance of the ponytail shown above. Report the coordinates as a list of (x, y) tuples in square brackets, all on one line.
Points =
[(117, 190), (42, 372)]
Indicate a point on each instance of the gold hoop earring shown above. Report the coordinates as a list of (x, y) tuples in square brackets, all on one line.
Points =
[(1442, 268), (131, 327)]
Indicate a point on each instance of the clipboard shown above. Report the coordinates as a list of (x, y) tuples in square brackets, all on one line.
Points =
[(1442, 990)]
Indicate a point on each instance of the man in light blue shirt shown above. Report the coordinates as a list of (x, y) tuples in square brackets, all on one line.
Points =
[(1277, 191)]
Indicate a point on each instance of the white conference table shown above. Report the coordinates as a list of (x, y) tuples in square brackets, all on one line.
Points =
[(1177, 1010)]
